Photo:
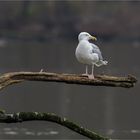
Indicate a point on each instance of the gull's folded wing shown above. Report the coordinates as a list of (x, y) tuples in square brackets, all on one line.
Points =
[(97, 50)]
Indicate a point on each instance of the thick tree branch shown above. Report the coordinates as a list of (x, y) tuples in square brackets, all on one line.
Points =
[(100, 80), (32, 116)]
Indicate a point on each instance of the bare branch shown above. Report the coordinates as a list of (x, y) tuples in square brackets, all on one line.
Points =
[(32, 116), (100, 80)]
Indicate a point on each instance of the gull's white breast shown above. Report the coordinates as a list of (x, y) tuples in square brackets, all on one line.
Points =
[(84, 53)]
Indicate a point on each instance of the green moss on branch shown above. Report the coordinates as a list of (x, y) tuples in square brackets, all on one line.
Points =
[(32, 116)]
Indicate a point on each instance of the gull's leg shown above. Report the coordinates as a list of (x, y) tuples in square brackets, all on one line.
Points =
[(86, 69), (92, 73), (86, 74), (92, 70)]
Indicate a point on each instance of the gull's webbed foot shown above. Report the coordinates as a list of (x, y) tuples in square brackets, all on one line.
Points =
[(91, 76), (101, 62), (85, 74), (105, 62)]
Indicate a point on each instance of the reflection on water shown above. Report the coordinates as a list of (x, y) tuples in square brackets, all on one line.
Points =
[(8, 132), (15, 132), (25, 131)]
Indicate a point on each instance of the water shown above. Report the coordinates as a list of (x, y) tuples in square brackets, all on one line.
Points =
[(112, 112), (58, 133)]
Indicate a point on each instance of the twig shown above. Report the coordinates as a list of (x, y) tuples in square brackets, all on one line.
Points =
[(32, 116), (100, 80)]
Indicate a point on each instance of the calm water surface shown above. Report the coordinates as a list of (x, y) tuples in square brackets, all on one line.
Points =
[(113, 112)]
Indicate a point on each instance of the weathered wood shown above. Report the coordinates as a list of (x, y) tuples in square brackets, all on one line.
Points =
[(100, 80), (32, 116)]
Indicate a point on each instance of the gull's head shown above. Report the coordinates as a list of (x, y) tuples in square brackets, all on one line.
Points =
[(86, 36)]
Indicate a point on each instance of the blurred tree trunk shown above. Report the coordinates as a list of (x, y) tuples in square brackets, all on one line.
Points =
[(23, 17)]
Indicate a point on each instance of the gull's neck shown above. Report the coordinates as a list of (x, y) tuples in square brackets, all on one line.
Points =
[(83, 40)]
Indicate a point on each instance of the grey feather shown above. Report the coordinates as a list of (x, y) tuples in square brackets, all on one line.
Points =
[(97, 50)]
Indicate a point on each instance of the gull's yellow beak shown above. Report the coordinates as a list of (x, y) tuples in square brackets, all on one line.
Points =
[(93, 38)]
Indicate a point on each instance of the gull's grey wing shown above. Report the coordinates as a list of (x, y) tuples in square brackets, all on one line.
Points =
[(97, 50)]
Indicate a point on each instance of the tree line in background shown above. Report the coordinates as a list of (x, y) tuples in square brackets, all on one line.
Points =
[(46, 20)]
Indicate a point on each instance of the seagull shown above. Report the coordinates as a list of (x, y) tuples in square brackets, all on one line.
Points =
[(89, 53)]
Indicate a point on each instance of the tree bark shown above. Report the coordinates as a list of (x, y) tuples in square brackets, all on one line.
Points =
[(100, 80), (32, 116)]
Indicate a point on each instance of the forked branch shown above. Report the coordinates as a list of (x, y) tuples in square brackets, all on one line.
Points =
[(100, 80)]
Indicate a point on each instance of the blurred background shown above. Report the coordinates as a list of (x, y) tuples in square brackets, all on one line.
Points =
[(38, 35)]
